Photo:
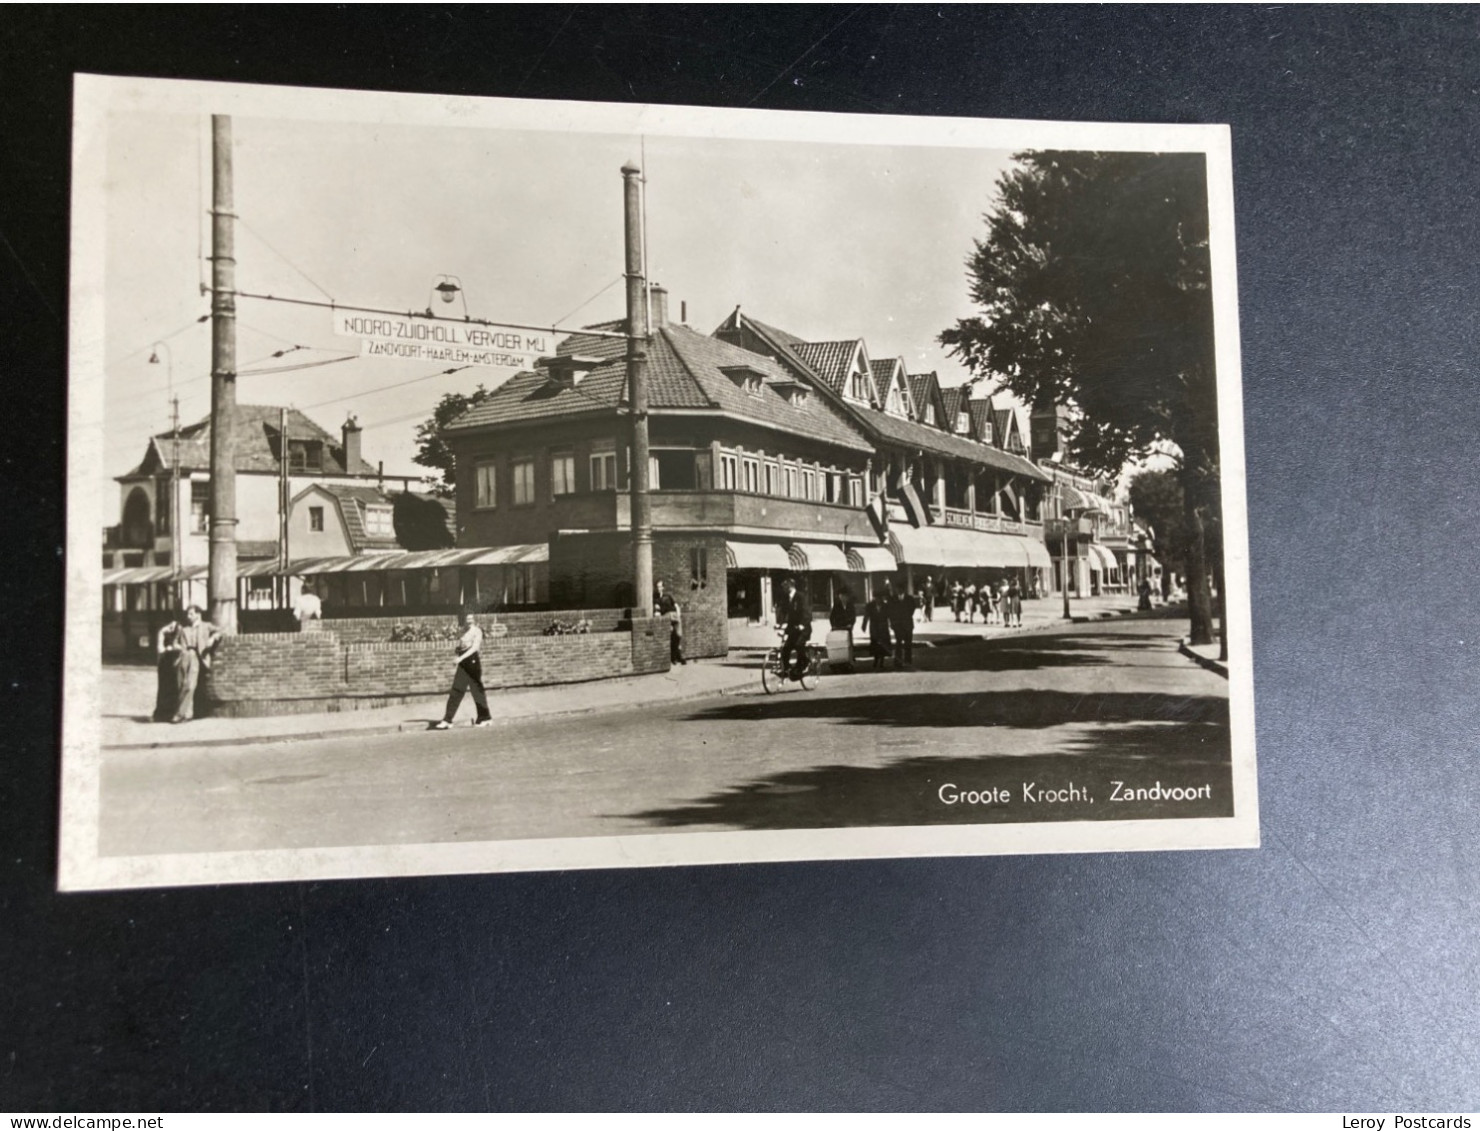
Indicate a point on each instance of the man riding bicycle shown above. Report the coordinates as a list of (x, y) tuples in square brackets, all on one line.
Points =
[(794, 613)]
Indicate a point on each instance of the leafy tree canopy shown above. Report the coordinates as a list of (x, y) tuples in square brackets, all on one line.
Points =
[(1156, 497), (1093, 283), (431, 450), (421, 523)]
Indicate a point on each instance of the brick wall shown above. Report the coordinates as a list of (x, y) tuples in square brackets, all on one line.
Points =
[(706, 629), (377, 630), (286, 673), (649, 646), (600, 566)]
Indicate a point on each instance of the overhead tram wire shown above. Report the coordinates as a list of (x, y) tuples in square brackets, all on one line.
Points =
[(284, 258), (589, 301), (423, 315)]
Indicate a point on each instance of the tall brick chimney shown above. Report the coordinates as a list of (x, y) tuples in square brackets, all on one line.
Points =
[(659, 306), (350, 431)]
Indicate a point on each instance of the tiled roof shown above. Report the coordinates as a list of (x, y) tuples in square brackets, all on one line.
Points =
[(953, 399), (685, 370), (895, 430), (780, 336), (255, 429), (923, 388), (926, 438), (706, 358), (882, 371), (829, 360), (981, 413)]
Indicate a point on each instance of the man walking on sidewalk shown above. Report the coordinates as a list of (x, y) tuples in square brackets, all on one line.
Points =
[(468, 677)]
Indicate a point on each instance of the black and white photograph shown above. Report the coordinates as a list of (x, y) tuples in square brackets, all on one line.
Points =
[(491, 485)]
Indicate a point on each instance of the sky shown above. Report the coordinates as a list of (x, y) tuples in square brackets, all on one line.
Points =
[(825, 240)]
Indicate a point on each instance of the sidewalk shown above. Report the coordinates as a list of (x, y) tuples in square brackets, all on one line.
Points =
[(1040, 614), (1206, 655), (128, 693)]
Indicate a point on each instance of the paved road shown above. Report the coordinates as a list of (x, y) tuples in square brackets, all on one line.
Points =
[(1037, 728)]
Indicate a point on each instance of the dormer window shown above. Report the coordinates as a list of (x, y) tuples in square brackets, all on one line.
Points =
[(986, 431), (895, 405), (568, 370), (929, 413), (305, 455), (379, 521), (858, 387), (963, 423), (793, 392), (746, 379)]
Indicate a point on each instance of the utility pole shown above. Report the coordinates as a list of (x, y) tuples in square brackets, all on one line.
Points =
[(637, 336), (177, 543), (222, 578), (283, 579)]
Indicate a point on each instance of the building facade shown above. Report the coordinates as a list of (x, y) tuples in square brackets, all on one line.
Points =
[(770, 456)]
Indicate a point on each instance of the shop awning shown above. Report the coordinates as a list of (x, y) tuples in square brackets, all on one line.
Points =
[(816, 557), (1080, 501), (962, 549), (145, 575), (1103, 558), (871, 559), (756, 555), (1037, 553)]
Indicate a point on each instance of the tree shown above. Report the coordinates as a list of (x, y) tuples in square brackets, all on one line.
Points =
[(1094, 288), (431, 450), (1156, 497), (421, 523)]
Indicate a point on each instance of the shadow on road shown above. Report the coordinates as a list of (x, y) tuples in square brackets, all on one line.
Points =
[(1154, 759), (1024, 709)]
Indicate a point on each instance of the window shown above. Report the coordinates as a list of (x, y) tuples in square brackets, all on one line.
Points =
[(522, 585), (729, 471), (562, 473), (486, 484), (316, 519), (895, 405), (699, 567), (751, 478), (200, 506), (771, 478), (305, 455), (963, 422), (522, 471), (791, 483), (855, 491), (834, 487), (858, 387), (674, 469), (809, 484), (604, 467), (929, 413), (378, 522), (163, 508)]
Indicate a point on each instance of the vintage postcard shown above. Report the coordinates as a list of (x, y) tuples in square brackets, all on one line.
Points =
[(498, 485)]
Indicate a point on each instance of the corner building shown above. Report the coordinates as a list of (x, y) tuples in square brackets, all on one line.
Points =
[(769, 456)]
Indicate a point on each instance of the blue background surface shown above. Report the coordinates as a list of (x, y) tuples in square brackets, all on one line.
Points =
[(1336, 968)]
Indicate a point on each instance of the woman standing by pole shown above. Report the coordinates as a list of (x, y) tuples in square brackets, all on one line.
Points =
[(468, 677)]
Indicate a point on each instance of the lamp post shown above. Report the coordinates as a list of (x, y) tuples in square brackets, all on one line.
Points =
[(449, 289)]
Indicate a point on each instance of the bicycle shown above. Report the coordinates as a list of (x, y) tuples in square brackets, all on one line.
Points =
[(772, 677)]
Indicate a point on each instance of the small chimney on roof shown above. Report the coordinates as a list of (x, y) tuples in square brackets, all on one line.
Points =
[(659, 305), (350, 432)]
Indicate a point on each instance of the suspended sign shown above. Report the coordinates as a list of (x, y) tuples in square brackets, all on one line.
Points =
[(438, 340)]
